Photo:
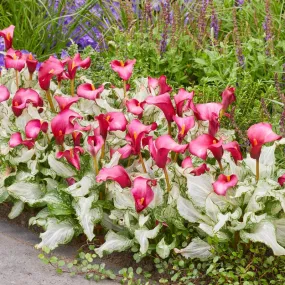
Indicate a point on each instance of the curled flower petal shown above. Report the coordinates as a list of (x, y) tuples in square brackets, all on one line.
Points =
[(224, 183), (116, 173), (234, 149), (142, 192), (14, 59), (125, 151), (135, 107), (258, 135), (88, 91), (124, 69), (34, 127), (184, 125), (8, 34), (163, 102), (16, 139), (228, 97), (159, 83), (182, 99), (72, 156), (201, 144), (74, 63), (95, 143), (4, 93), (65, 102), (281, 180), (31, 63), (23, 97)]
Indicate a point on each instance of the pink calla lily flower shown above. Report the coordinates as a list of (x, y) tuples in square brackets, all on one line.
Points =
[(205, 112), (187, 163), (135, 107), (8, 34), (4, 93), (205, 142), (76, 136), (228, 97), (16, 139), (88, 91), (124, 69), (136, 132), (182, 100), (31, 63), (63, 124), (163, 102), (281, 180), (125, 151), (234, 149), (72, 156), (160, 148), (95, 143), (64, 103), (34, 127), (258, 135), (184, 125), (23, 97), (116, 173), (142, 192), (14, 59), (159, 83), (70, 181), (112, 121), (49, 68), (224, 183), (76, 62)]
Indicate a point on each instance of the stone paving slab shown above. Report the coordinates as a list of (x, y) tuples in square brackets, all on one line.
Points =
[(20, 265)]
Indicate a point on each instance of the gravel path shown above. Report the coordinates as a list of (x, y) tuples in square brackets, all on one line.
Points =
[(20, 265)]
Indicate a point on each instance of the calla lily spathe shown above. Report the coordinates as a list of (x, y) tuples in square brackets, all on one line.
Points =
[(64, 102), (116, 173), (34, 127), (224, 183), (205, 142), (135, 107), (124, 69), (234, 149), (160, 84), (16, 139), (72, 156), (187, 163), (281, 180), (184, 125), (49, 68), (88, 91), (163, 102), (95, 143), (74, 63), (228, 97), (7, 34), (14, 59), (23, 97), (4, 93), (182, 101), (258, 135), (31, 63), (160, 148), (142, 192), (112, 121)]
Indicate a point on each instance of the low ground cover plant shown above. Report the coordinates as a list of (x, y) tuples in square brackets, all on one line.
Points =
[(158, 171)]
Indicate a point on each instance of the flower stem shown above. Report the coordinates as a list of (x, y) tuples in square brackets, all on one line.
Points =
[(95, 165), (31, 76), (220, 165), (125, 88), (142, 162), (58, 84), (175, 157), (257, 170), (102, 151), (17, 79), (50, 100), (169, 128), (72, 87), (167, 179)]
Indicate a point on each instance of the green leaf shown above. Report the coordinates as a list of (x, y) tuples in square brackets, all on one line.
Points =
[(59, 167), (87, 215), (16, 209)]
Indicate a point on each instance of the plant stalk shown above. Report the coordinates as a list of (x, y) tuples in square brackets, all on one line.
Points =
[(175, 157), (257, 170), (125, 88), (220, 165), (72, 87), (17, 79), (95, 165), (169, 128), (102, 151), (167, 179), (142, 162), (50, 100)]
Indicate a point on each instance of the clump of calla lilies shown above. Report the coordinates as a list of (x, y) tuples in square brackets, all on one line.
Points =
[(158, 165)]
